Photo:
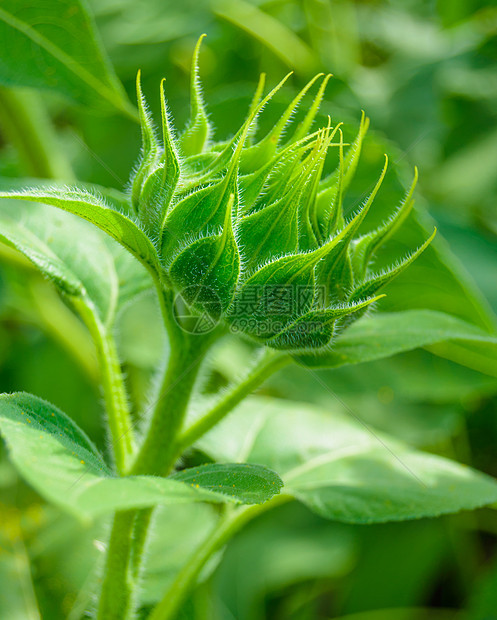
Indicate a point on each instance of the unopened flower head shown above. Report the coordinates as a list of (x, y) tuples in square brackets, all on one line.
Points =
[(253, 230)]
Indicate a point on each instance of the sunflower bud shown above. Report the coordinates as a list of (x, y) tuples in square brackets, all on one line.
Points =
[(251, 233)]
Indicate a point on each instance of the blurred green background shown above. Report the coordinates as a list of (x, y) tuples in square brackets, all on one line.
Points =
[(425, 72)]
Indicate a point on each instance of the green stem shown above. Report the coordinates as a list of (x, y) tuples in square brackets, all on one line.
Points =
[(26, 124), (158, 451), (226, 527), (112, 380), (271, 363), (116, 401), (118, 587), (156, 455)]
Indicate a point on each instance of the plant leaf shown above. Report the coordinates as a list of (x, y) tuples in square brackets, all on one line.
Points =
[(83, 268), (335, 271), (378, 485), (149, 146), (343, 470), (54, 46), (62, 464), (389, 333), (252, 484), (94, 209)]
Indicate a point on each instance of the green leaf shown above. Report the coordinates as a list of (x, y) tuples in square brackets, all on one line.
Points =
[(251, 484), (94, 209), (389, 333), (262, 152), (382, 484), (62, 464), (201, 212), (260, 297), (343, 470), (306, 123), (207, 208), (54, 46), (274, 229), (334, 186), (270, 232), (83, 268)]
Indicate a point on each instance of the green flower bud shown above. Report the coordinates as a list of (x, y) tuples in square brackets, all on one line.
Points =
[(251, 233)]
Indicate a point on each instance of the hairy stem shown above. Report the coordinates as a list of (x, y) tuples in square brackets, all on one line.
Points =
[(157, 453), (156, 456), (187, 351), (227, 526), (115, 396), (27, 126), (117, 587)]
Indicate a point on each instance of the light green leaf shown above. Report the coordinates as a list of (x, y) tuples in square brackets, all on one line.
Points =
[(343, 470), (54, 46), (94, 209), (389, 333), (280, 39), (388, 484), (83, 268), (177, 533), (63, 465), (252, 484)]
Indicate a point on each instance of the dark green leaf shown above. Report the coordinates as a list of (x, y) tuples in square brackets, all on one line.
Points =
[(62, 464), (250, 484)]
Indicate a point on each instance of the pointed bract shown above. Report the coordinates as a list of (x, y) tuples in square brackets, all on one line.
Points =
[(197, 133), (149, 147)]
